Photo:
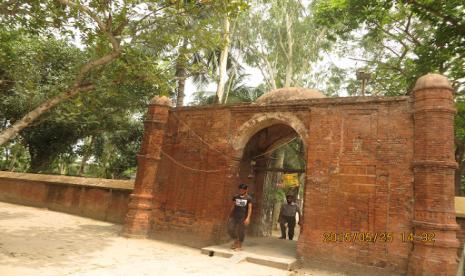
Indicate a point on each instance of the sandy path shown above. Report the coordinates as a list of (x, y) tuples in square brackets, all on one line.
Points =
[(37, 242), (41, 242)]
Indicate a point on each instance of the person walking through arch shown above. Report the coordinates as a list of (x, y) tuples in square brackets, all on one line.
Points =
[(287, 216), (239, 218)]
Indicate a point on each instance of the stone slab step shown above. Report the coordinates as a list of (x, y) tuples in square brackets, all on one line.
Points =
[(260, 259)]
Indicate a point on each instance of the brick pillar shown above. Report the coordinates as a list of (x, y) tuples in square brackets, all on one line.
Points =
[(139, 216), (434, 167)]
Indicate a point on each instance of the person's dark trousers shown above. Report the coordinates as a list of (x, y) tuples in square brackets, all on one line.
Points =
[(236, 229), (290, 224)]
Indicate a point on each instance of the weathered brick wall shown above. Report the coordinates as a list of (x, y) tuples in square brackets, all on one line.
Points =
[(359, 180), (359, 175), (189, 206), (101, 199), (379, 170)]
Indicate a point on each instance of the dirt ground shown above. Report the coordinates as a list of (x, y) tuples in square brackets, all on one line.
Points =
[(37, 241)]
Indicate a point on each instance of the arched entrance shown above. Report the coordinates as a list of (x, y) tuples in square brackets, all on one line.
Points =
[(273, 165)]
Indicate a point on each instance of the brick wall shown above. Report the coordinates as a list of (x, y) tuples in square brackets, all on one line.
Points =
[(189, 206), (359, 180), (101, 199), (359, 153)]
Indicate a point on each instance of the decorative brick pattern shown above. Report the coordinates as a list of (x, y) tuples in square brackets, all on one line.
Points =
[(374, 165), (139, 216), (434, 167)]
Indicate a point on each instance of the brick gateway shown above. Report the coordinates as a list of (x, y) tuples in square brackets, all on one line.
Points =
[(373, 164)]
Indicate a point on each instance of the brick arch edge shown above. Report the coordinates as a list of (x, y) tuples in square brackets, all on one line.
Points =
[(260, 121)]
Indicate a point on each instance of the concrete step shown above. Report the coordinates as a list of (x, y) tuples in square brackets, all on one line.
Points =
[(285, 263)]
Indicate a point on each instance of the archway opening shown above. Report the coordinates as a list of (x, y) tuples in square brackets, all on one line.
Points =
[(273, 166)]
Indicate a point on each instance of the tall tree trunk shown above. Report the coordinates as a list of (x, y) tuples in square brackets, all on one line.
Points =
[(62, 167), (223, 61), (7, 155), (272, 73), (181, 73), (230, 82), (289, 55), (268, 209)]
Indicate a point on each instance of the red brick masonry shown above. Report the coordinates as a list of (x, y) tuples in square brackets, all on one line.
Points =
[(379, 177), (374, 165), (101, 199)]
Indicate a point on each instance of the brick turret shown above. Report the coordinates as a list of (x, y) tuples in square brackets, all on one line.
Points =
[(139, 217), (435, 246)]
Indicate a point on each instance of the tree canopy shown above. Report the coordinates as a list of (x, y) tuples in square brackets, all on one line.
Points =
[(76, 76)]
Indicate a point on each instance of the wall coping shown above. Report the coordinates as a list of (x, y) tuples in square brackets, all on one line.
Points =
[(70, 180), (299, 103)]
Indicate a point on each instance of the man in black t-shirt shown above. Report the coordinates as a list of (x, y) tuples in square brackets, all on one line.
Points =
[(241, 211)]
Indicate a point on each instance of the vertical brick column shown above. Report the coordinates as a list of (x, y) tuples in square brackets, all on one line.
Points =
[(434, 166), (139, 216)]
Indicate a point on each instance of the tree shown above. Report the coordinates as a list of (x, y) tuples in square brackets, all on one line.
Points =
[(280, 39), (401, 41), (36, 68), (191, 43), (108, 30)]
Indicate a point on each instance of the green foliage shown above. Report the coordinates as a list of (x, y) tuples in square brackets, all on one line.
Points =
[(116, 151), (460, 119), (401, 40), (37, 69), (39, 60), (14, 157), (277, 35)]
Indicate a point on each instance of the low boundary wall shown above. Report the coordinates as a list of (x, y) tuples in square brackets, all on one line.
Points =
[(102, 199)]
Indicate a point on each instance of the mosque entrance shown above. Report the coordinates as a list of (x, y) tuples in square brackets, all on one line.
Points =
[(273, 165)]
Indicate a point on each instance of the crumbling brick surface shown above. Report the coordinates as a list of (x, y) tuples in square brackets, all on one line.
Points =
[(379, 172), (359, 178)]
